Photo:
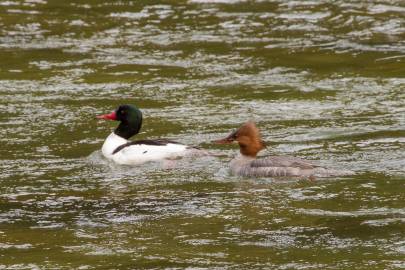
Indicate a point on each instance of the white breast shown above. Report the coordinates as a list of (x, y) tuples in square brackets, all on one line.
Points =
[(111, 143), (239, 163)]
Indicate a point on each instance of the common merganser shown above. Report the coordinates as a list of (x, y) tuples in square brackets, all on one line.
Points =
[(250, 143), (118, 148)]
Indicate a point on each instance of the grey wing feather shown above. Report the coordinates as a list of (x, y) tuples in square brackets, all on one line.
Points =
[(266, 171), (283, 161)]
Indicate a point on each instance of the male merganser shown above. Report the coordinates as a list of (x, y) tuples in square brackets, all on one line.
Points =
[(246, 164), (117, 147)]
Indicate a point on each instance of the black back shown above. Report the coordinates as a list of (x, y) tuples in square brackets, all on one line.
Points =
[(147, 142)]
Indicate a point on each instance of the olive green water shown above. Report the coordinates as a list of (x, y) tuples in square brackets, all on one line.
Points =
[(324, 80)]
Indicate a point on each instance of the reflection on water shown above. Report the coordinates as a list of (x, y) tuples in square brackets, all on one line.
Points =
[(323, 80)]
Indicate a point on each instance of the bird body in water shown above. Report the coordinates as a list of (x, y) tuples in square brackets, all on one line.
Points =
[(247, 164)]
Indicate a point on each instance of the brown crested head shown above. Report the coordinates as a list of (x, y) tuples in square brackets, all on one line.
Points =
[(248, 137)]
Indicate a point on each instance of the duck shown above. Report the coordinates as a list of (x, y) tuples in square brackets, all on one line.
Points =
[(247, 164), (118, 148)]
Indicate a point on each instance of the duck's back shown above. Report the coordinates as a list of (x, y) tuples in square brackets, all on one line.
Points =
[(139, 152), (281, 166), (283, 161)]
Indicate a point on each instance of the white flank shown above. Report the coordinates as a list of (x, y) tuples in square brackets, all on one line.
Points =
[(140, 153)]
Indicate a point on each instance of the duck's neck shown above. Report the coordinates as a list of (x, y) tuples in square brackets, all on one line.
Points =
[(126, 130), (111, 143)]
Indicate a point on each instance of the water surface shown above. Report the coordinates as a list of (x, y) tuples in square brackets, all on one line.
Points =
[(324, 80)]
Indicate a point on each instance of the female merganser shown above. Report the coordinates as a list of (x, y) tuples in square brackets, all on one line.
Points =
[(246, 164), (117, 147)]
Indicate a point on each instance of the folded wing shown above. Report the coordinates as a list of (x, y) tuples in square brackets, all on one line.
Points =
[(283, 161)]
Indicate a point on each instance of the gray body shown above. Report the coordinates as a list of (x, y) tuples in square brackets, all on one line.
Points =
[(279, 166)]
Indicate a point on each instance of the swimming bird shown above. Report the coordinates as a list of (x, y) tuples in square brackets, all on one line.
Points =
[(246, 164), (119, 149)]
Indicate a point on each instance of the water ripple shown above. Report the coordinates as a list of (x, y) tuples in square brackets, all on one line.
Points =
[(323, 80)]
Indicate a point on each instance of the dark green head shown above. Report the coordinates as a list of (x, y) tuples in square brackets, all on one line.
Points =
[(130, 118)]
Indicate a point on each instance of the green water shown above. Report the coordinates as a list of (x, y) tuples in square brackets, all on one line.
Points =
[(324, 80)]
